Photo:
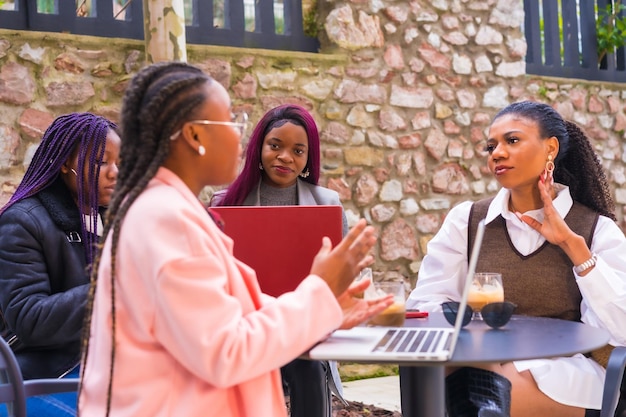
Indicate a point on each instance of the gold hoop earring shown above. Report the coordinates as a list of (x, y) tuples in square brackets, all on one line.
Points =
[(549, 165)]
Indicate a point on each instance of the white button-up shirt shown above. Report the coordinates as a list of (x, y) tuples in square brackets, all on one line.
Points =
[(603, 290)]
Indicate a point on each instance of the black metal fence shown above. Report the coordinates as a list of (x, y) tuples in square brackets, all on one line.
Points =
[(228, 22), (563, 41), (561, 34)]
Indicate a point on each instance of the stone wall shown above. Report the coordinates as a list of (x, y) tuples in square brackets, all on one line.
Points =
[(403, 92)]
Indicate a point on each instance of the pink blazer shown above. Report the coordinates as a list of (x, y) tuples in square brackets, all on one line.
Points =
[(194, 334)]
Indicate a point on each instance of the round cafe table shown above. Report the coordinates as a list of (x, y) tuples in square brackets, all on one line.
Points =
[(422, 384)]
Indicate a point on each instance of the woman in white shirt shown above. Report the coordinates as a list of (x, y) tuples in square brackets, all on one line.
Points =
[(553, 187)]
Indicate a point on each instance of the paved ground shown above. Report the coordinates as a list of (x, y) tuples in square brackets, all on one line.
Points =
[(382, 392), (370, 397)]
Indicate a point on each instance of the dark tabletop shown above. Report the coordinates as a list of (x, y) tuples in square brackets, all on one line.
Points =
[(522, 338)]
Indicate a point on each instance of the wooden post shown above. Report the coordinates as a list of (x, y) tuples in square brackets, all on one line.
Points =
[(164, 30)]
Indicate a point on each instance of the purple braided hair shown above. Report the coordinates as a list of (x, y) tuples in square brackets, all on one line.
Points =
[(82, 133)]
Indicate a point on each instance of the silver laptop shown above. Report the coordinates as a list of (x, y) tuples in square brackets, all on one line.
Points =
[(392, 344)]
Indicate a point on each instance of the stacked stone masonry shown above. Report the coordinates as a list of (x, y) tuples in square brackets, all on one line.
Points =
[(402, 91)]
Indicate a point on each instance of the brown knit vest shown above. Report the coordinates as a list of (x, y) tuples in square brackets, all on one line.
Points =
[(541, 283)]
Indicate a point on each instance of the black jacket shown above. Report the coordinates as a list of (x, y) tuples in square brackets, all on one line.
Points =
[(44, 281)]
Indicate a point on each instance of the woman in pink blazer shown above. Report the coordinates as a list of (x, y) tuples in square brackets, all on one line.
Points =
[(179, 327)]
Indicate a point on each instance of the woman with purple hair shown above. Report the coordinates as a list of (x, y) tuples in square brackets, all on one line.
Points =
[(283, 168), (49, 230)]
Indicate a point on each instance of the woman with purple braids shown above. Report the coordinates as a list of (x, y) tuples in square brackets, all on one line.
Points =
[(49, 230)]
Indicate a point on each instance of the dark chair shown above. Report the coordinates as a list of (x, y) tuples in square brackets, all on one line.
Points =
[(614, 384), (14, 390)]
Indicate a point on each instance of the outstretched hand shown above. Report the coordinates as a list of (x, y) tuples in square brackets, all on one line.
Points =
[(357, 310), (339, 265)]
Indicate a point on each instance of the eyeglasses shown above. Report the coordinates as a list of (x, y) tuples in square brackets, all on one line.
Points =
[(494, 314), (240, 122)]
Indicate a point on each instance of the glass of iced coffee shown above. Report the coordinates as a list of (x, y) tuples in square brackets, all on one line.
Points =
[(486, 288), (395, 313)]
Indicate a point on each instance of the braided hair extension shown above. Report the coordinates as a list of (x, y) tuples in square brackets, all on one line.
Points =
[(70, 134), (582, 171), (250, 174), (158, 99), (576, 165)]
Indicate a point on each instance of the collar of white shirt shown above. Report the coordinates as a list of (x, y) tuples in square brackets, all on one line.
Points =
[(500, 205), (525, 238)]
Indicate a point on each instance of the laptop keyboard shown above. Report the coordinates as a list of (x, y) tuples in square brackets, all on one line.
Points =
[(414, 340)]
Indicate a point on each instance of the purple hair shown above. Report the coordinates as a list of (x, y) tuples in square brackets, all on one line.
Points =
[(251, 174), (75, 133)]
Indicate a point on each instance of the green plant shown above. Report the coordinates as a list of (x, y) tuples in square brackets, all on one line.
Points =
[(354, 371), (309, 20), (46, 6), (610, 29), (279, 25)]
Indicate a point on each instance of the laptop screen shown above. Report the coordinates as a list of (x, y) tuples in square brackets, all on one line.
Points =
[(396, 344), (280, 242)]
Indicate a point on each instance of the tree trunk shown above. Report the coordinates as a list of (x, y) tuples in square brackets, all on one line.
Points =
[(164, 30)]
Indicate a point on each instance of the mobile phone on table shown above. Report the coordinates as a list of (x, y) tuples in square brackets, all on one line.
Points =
[(416, 314)]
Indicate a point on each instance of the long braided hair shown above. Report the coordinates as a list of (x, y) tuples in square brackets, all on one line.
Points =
[(158, 99), (251, 174), (576, 165), (75, 134)]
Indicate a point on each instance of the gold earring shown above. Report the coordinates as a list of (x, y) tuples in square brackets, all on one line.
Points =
[(549, 165)]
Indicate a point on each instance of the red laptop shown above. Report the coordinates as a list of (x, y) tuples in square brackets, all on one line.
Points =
[(280, 242)]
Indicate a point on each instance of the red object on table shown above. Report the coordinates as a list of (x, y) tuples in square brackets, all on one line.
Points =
[(415, 314)]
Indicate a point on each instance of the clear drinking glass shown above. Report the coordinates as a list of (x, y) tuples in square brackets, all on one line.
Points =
[(393, 315), (486, 288), (366, 274)]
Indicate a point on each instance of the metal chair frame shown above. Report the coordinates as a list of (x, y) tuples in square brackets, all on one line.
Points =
[(614, 382), (14, 390)]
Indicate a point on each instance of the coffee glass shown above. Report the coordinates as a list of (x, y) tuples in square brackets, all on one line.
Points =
[(394, 314), (486, 288)]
